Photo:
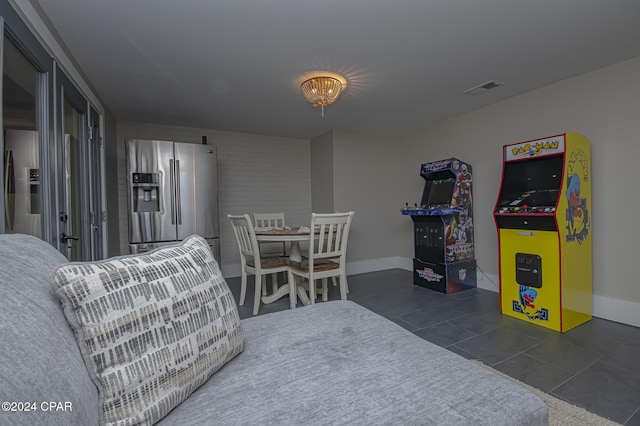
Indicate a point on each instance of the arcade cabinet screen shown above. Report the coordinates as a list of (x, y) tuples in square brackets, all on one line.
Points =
[(536, 181), (439, 189)]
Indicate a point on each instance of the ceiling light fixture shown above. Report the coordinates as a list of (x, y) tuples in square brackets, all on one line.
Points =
[(321, 90)]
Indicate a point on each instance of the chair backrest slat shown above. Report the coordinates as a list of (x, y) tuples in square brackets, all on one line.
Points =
[(268, 219)]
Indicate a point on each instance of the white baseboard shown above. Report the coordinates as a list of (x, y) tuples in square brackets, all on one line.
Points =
[(617, 310), (486, 281), (232, 270), (405, 263), (372, 265)]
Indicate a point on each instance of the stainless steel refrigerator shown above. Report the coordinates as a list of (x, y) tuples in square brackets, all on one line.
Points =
[(173, 193)]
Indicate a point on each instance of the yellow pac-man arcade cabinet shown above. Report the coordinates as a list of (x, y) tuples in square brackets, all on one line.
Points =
[(543, 216)]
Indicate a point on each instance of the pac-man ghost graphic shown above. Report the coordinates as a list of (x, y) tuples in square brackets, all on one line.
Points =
[(573, 190), (527, 306), (577, 215), (527, 297)]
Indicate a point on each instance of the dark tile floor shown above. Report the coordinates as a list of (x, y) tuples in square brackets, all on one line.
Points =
[(596, 365)]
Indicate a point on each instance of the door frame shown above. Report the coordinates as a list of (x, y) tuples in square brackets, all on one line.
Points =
[(97, 170)]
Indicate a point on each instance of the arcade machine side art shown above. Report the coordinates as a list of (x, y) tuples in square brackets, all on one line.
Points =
[(444, 256), (544, 231)]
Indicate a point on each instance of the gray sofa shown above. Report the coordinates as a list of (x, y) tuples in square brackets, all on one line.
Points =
[(328, 364)]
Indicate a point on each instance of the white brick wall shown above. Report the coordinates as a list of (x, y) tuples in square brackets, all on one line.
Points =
[(255, 172)]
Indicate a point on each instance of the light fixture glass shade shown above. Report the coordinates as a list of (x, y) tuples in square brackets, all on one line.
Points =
[(321, 91)]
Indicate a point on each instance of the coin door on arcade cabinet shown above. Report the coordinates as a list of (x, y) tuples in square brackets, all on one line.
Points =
[(544, 231), (443, 228)]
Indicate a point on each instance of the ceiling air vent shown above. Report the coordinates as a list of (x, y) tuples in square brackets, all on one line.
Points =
[(484, 87)]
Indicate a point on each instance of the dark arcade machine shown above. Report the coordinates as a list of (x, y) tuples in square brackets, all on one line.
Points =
[(443, 228)]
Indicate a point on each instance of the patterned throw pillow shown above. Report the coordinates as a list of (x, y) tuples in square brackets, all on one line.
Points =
[(152, 327)]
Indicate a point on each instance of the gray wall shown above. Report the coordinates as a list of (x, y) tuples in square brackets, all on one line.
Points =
[(322, 173), (256, 174), (366, 181)]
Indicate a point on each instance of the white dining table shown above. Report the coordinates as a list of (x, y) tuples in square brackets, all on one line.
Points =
[(289, 234), (292, 235)]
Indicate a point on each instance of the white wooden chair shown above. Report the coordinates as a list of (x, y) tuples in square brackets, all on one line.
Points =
[(269, 249), (252, 263), (327, 254), (271, 220)]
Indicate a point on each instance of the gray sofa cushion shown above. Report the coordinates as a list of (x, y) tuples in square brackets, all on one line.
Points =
[(337, 363), (40, 360), (152, 327)]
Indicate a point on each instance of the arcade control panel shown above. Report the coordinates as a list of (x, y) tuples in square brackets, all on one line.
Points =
[(530, 202), (431, 210), (525, 209)]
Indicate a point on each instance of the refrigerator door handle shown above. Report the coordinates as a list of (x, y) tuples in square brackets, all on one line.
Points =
[(9, 182), (173, 197), (178, 197)]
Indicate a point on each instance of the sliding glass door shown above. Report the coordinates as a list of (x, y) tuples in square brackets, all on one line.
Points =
[(74, 171), (25, 170), (79, 171), (51, 148), (21, 154)]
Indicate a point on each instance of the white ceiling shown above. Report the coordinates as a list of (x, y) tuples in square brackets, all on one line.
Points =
[(237, 64)]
